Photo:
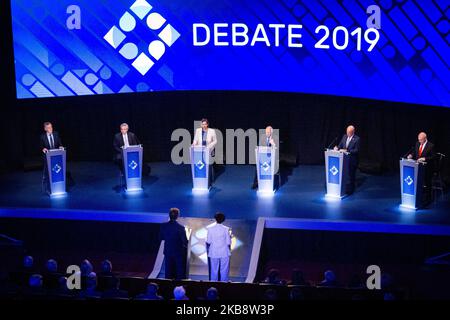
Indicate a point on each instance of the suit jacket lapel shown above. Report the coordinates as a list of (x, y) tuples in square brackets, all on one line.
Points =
[(425, 150)]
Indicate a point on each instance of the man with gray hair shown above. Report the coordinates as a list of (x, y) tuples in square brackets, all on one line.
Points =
[(123, 139), (266, 141), (423, 151), (350, 143)]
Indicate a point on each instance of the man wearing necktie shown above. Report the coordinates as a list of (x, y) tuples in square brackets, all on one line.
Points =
[(350, 143), (49, 140), (424, 152), (123, 139)]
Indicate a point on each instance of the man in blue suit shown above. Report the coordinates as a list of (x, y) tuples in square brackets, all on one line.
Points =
[(350, 144), (175, 246)]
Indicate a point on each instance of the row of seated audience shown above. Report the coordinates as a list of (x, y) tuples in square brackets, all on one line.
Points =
[(329, 280), (33, 283)]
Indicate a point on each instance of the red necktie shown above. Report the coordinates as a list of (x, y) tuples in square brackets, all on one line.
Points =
[(420, 150)]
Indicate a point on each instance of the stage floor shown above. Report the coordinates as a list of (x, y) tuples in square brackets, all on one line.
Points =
[(300, 196)]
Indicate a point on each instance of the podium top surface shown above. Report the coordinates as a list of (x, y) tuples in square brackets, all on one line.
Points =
[(412, 161), (132, 147), (265, 148), (199, 148), (55, 151), (336, 152)]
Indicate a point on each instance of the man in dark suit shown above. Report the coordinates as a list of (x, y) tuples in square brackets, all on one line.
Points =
[(175, 246), (350, 143), (266, 141), (48, 140), (122, 139), (423, 151)]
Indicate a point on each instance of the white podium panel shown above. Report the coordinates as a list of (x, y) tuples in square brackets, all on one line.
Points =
[(200, 161), (56, 167), (336, 173), (132, 163), (411, 183), (266, 168)]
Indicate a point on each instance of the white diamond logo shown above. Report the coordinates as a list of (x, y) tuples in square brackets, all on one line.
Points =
[(334, 171), (200, 164), (57, 168), (409, 181), (133, 165), (265, 166)]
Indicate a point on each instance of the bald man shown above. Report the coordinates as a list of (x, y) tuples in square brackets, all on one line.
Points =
[(350, 143), (424, 152), (268, 141)]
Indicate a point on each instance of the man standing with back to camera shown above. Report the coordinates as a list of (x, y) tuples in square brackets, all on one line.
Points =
[(175, 246), (218, 247)]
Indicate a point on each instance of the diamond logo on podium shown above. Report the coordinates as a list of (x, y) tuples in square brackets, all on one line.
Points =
[(265, 166), (133, 165), (409, 181), (57, 168), (200, 165), (334, 171)]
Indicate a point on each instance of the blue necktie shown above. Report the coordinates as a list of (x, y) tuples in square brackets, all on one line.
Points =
[(52, 143)]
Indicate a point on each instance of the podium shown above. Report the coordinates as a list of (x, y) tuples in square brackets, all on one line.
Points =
[(336, 172), (411, 183), (132, 167), (200, 161), (266, 168), (56, 170)]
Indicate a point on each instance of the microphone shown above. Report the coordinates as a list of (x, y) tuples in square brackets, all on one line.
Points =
[(408, 152), (332, 142)]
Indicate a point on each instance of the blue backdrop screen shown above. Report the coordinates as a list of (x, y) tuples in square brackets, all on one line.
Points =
[(386, 50)]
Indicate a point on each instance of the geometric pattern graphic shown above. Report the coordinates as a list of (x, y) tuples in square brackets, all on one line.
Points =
[(134, 170), (198, 243), (57, 173), (134, 46), (142, 62), (408, 182), (265, 165), (333, 171)]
